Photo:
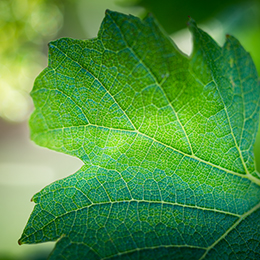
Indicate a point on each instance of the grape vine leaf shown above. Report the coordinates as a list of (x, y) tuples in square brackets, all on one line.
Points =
[(167, 145)]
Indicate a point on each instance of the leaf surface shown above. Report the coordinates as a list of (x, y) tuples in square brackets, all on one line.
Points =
[(167, 145)]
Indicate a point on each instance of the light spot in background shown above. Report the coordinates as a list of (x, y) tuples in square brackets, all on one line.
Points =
[(21, 174), (14, 105), (183, 39), (52, 17)]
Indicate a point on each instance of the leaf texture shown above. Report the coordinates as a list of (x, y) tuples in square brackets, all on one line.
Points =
[(167, 145)]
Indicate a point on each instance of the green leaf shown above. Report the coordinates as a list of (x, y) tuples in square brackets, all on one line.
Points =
[(166, 141)]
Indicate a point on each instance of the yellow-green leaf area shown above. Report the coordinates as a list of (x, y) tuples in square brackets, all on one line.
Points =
[(166, 141)]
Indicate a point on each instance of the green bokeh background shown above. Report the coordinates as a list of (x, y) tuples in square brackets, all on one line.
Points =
[(26, 27)]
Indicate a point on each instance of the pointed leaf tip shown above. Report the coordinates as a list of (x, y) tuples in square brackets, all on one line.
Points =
[(107, 11), (191, 22)]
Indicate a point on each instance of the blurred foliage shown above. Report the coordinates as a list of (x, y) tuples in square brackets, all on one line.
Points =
[(24, 25), (173, 14), (241, 18)]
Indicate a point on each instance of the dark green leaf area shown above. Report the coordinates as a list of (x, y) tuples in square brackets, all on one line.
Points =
[(98, 214), (110, 226), (166, 141), (78, 251), (242, 242)]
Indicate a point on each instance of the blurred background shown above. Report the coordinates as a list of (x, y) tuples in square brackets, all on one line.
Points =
[(26, 27)]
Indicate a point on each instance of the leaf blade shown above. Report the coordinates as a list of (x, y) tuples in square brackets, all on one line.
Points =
[(152, 175)]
